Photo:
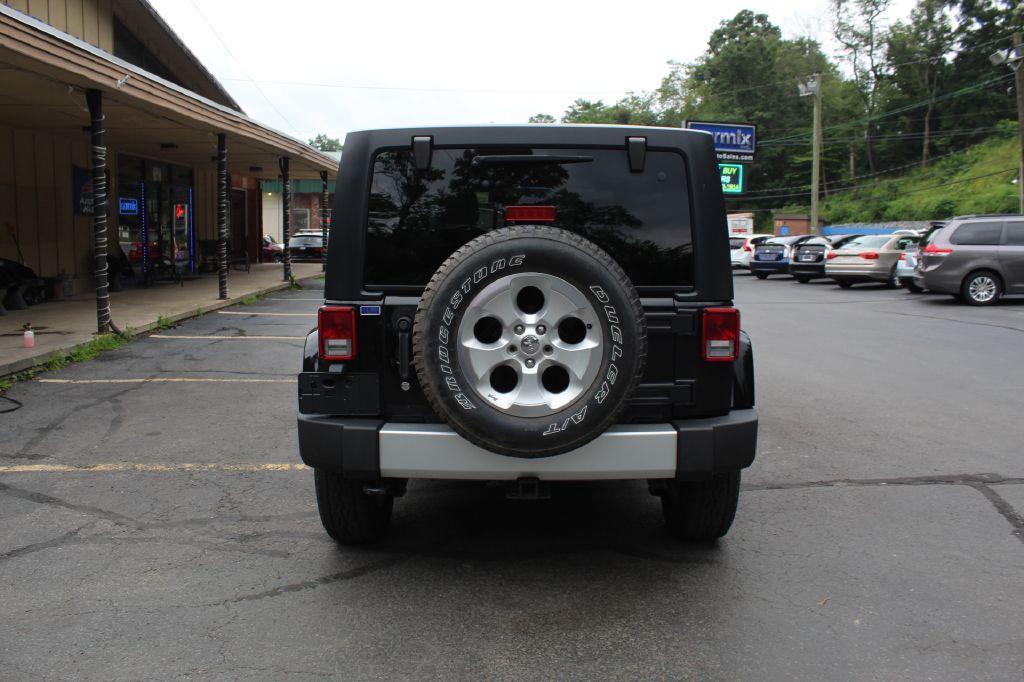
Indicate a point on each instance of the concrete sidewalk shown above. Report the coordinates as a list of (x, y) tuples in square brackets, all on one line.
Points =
[(61, 326)]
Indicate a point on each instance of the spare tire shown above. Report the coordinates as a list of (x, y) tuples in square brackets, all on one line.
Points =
[(529, 340)]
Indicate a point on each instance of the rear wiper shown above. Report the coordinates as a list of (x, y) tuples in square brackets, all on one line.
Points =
[(523, 159)]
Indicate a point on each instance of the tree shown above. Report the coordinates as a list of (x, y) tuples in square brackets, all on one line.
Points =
[(859, 28), (325, 143), (542, 118), (917, 54)]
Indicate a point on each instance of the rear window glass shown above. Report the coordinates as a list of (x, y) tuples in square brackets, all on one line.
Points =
[(737, 243), (978, 234), (304, 241), (417, 219), (868, 242)]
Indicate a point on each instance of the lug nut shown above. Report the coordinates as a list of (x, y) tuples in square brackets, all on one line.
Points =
[(541, 329), (520, 329), (530, 362)]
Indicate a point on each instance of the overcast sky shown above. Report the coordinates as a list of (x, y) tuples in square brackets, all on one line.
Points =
[(450, 62)]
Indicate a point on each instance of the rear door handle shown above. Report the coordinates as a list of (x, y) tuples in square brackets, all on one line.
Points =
[(404, 325)]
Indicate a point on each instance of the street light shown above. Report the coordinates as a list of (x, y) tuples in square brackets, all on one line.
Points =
[(1012, 56)]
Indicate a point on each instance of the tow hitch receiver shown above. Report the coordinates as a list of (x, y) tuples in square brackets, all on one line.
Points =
[(528, 488)]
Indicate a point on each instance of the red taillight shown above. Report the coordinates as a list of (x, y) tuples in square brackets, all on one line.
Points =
[(530, 214), (933, 250), (869, 255), (337, 331), (746, 247), (720, 334), (903, 256), (830, 255)]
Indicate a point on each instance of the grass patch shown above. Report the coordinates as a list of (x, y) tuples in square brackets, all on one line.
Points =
[(163, 322), (84, 353), (250, 299)]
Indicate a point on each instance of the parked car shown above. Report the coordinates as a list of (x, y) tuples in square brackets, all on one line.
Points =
[(977, 259), (273, 251), (808, 261), (917, 279), (741, 248), (499, 343), (306, 246), (773, 256), (906, 268), (869, 258)]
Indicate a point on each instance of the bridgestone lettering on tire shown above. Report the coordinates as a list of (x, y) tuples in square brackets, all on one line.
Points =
[(529, 340)]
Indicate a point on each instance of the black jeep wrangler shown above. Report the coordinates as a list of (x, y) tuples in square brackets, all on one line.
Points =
[(528, 304)]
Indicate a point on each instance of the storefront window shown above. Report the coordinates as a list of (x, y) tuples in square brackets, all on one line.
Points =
[(155, 208)]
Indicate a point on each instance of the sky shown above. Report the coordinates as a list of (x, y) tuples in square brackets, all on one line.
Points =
[(394, 63)]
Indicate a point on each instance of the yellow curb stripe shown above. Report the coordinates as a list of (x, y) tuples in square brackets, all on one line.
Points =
[(226, 338), (242, 312), (147, 468), (167, 380)]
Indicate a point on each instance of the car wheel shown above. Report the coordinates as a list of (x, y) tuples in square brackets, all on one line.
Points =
[(981, 288), (912, 288), (893, 282), (844, 283), (803, 280), (701, 510), (348, 514), (277, 258), (529, 340), (761, 275)]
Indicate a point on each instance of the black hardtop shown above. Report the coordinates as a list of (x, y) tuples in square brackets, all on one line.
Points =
[(712, 273)]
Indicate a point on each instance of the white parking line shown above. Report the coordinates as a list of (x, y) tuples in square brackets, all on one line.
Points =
[(225, 338), (167, 380), (240, 312), (158, 468)]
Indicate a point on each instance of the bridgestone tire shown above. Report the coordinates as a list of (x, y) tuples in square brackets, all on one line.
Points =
[(348, 514), (494, 261), (701, 510)]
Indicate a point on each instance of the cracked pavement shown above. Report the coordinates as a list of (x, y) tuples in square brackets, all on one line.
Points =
[(880, 531)]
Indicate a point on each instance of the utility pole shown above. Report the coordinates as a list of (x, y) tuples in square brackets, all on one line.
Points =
[(812, 88), (1014, 58)]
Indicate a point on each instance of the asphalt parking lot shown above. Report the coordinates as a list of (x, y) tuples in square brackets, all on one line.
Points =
[(160, 529)]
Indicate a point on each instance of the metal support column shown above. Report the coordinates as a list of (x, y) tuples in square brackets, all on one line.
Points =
[(286, 222), (99, 210), (222, 214), (323, 219)]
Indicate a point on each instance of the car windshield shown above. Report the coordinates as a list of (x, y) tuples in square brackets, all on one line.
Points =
[(872, 241), (737, 242), (307, 240)]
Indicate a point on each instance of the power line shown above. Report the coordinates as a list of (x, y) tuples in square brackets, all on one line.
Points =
[(250, 78)]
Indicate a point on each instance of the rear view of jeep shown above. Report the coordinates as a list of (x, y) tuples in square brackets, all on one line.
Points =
[(527, 305)]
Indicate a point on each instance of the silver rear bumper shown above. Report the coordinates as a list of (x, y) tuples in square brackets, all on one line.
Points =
[(435, 451)]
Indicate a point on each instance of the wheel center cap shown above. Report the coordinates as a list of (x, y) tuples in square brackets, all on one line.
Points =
[(530, 344)]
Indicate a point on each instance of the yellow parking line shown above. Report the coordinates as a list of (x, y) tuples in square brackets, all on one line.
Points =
[(225, 338), (147, 468), (167, 380), (242, 312)]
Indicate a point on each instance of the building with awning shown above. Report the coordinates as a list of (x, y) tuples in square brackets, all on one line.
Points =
[(103, 91)]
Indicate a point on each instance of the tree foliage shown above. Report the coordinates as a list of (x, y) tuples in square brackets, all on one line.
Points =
[(897, 94), (325, 143)]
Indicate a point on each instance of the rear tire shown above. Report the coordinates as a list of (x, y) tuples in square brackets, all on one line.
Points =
[(803, 280), (981, 288), (912, 288), (893, 282), (844, 283), (761, 275), (348, 514), (701, 510)]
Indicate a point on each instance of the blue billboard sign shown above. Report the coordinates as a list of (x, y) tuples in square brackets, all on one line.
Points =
[(733, 141)]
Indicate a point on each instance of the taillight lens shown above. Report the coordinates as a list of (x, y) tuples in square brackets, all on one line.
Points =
[(933, 250), (746, 247), (720, 334), (903, 256), (830, 255), (337, 331), (869, 255), (530, 214)]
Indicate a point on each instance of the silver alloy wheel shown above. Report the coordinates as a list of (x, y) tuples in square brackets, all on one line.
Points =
[(530, 344), (982, 288)]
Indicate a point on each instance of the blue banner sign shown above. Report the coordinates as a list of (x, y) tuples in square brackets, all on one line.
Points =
[(733, 141), (128, 206)]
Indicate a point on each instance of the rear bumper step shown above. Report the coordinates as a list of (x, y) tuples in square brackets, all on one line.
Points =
[(372, 449)]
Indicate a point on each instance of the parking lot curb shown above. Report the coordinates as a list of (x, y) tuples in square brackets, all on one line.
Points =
[(26, 364)]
